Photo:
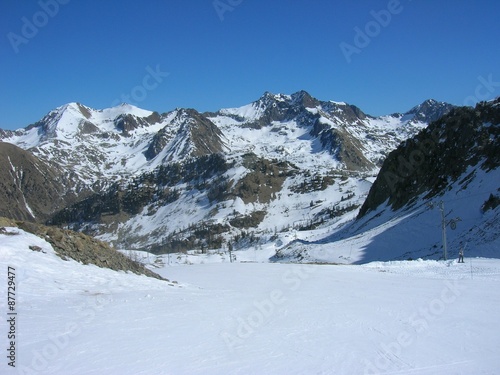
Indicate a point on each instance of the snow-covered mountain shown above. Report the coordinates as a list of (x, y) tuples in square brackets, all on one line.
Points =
[(451, 168), (183, 179), (298, 127), (113, 144), (125, 140)]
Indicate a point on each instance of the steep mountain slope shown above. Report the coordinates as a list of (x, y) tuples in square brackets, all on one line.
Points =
[(437, 156), (452, 166), (184, 180), (29, 188)]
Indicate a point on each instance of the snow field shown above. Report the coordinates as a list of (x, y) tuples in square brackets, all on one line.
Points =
[(418, 317)]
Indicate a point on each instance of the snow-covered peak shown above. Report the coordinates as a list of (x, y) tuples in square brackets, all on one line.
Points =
[(63, 119), (270, 97), (73, 119), (80, 111), (121, 109), (269, 102), (426, 104)]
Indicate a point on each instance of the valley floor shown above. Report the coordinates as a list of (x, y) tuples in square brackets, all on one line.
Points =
[(410, 317)]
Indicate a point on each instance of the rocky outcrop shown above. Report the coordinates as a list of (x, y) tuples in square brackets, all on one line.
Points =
[(126, 123), (206, 137), (342, 145), (82, 248)]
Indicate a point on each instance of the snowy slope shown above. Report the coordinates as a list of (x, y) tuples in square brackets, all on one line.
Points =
[(420, 317), (410, 233)]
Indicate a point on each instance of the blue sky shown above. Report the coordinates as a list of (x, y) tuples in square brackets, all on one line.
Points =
[(383, 56)]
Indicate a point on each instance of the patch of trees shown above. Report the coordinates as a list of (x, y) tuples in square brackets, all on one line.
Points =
[(248, 221), (491, 203), (203, 236), (156, 187), (316, 183)]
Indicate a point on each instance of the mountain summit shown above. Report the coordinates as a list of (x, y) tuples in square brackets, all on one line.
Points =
[(429, 111)]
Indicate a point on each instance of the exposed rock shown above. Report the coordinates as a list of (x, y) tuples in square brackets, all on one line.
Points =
[(342, 146), (82, 248), (35, 248), (266, 178), (86, 127), (196, 136), (127, 123)]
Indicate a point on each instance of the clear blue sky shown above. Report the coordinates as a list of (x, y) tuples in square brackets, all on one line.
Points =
[(97, 52)]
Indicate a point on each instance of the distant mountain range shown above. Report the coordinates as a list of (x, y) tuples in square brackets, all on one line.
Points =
[(239, 177)]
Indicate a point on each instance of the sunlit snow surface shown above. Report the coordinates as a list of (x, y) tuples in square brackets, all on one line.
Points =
[(410, 317)]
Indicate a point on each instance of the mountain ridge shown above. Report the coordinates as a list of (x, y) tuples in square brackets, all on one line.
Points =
[(184, 179), (126, 126)]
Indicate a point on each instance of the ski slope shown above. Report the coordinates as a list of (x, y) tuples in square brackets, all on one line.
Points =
[(409, 317)]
